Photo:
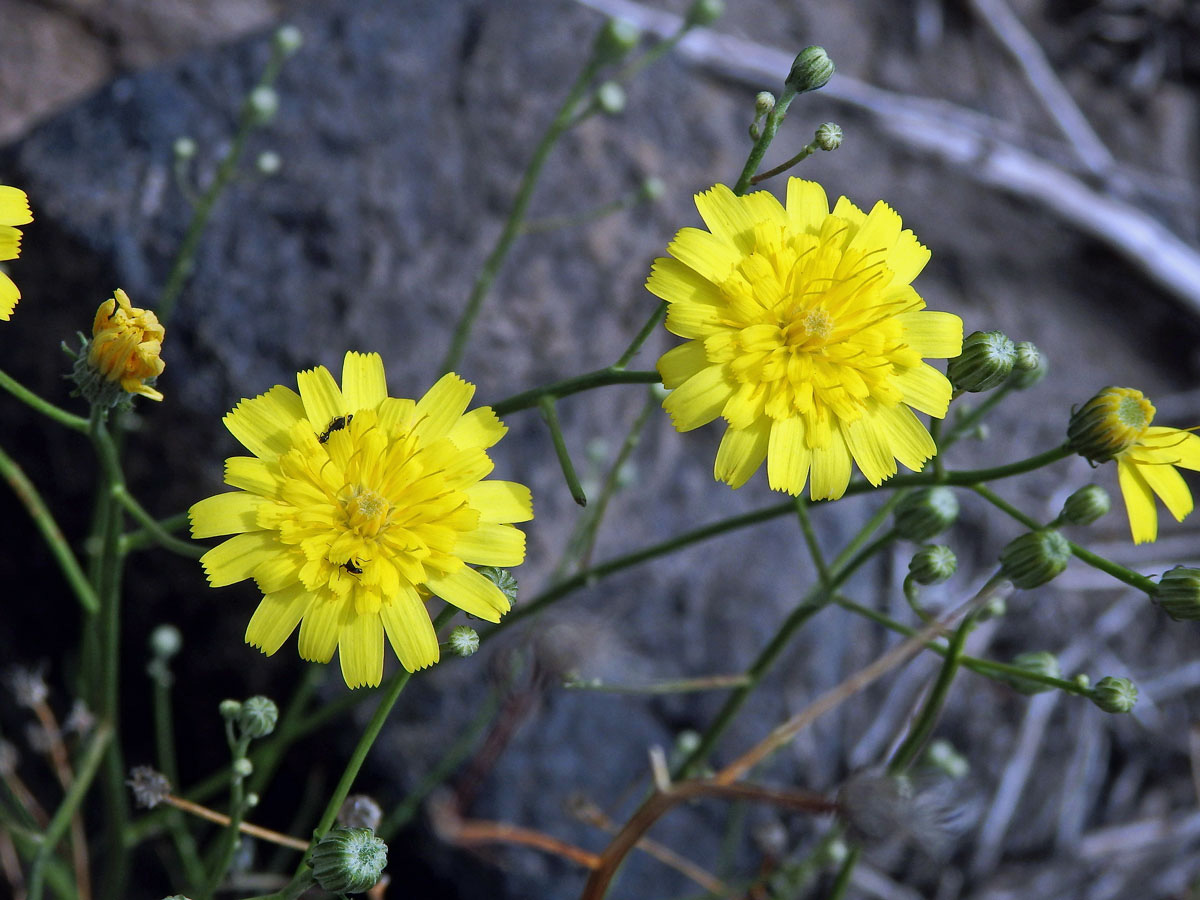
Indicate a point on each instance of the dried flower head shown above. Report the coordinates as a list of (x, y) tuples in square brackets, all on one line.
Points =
[(150, 787)]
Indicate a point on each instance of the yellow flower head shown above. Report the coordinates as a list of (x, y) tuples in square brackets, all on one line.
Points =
[(1115, 424), (355, 508), (805, 335), (125, 346), (14, 210)]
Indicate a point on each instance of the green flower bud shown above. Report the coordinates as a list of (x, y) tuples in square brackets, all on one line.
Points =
[(268, 163), (942, 756), (932, 564), (288, 39), (616, 38), (1035, 558), (829, 136), (184, 148), (1115, 695), (230, 709), (1110, 423), (258, 717), (165, 641), (348, 860), (764, 102), (1178, 593), (1030, 367), (811, 70), (987, 359), (464, 640), (503, 579), (653, 189), (264, 103), (243, 768), (610, 98), (1040, 663), (703, 12), (926, 513), (1082, 680), (1086, 505)]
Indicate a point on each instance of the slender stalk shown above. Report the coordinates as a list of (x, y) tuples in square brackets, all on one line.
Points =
[(774, 119), (810, 538), (150, 524), (550, 415), (142, 537), (88, 767), (227, 842), (667, 686), (842, 883), (555, 223), (516, 217), (164, 742), (573, 385), (805, 152), (45, 407), (51, 533), (656, 318)]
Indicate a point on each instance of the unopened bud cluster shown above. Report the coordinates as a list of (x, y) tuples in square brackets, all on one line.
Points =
[(811, 70), (1115, 695), (1086, 505), (926, 513), (1035, 558), (348, 860), (933, 564), (987, 359), (1178, 593)]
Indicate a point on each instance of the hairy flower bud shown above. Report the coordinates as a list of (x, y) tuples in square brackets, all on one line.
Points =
[(258, 717), (464, 640), (926, 513), (1035, 558), (1109, 423), (230, 709), (829, 136), (1030, 366), (987, 359), (1115, 695), (616, 38), (811, 70), (1086, 505), (348, 860), (610, 98), (1178, 593), (933, 564), (503, 579), (1039, 662)]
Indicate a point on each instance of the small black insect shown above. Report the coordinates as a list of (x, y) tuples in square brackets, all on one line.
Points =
[(338, 423), (352, 567)]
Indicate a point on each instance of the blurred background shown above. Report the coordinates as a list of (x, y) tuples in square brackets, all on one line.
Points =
[(1047, 151)]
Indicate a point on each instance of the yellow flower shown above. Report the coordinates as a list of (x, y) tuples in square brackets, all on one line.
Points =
[(1115, 424), (14, 210), (805, 335), (355, 508), (125, 346)]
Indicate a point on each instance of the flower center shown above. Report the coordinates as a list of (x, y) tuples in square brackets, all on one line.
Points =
[(367, 511), (1134, 413)]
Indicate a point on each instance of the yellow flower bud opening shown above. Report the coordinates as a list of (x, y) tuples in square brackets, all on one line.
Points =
[(126, 343)]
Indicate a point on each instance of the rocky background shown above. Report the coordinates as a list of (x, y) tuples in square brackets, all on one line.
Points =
[(403, 129)]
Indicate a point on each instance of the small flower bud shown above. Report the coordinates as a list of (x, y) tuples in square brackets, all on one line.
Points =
[(933, 564), (1178, 593), (1035, 558), (616, 38), (703, 12), (1086, 505), (1040, 662), (1109, 423), (1030, 366), (987, 359), (942, 756), (653, 189), (610, 98), (263, 103), (811, 70), (1082, 680), (829, 136), (230, 709), (252, 800), (464, 640), (764, 102), (348, 860), (503, 579), (1115, 695), (149, 787), (360, 811), (184, 148), (243, 768), (288, 39), (926, 513), (268, 163), (165, 641), (258, 717), (123, 355)]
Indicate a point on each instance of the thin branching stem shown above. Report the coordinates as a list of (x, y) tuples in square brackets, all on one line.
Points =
[(550, 416)]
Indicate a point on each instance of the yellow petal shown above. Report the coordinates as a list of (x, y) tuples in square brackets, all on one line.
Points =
[(262, 424), (278, 572), (698, 400), (709, 256), (277, 617), (1168, 445), (741, 452), (10, 242), (788, 456), (14, 206), (1166, 481), (360, 651), (477, 429), (491, 545), (907, 257), (680, 363), (363, 383), (733, 218), (322, 625), (252, 474), (441, 406), (470, 592), (925, 389), (323, 401), (934, 335), (9, 295), (235, 559), (501, 501), (905, 436), (673, 281), (686, 319), (229, 513), (396, 414), (409, 629), (807, 205), (830, 468), (881, 228), (1139, 503), (868, 443)]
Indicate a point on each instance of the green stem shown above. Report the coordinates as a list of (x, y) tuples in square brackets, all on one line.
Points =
[(656, 318), (227, 842), (51, 533), (966, 477), (144, 537), (774, 119), (28, 397), (150, 524), (810, 538), (555, 223), (807, 151), (842, 883), (164, 739), (85, 772), (970, 419), (550, 415), (58, 876), (516, 216), (573, 385)]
